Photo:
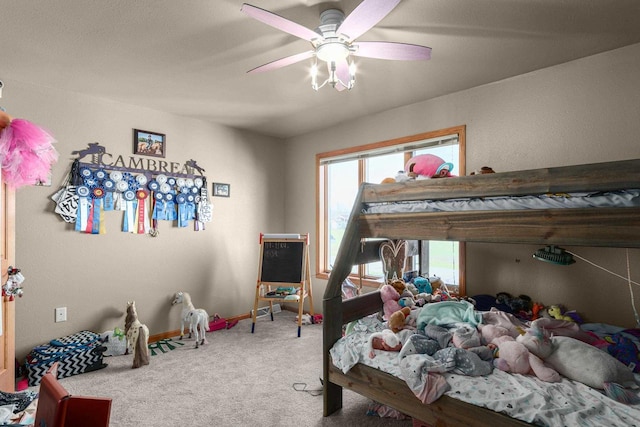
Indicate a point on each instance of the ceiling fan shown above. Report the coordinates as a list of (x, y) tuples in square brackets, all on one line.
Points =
[(334, 41)]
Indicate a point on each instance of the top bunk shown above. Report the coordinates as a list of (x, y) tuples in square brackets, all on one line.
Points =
[(389, 210)]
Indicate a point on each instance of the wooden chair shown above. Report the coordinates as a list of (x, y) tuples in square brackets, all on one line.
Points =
[(57, 408)]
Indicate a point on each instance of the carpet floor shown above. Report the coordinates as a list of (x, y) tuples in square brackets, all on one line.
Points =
[(268, 378)]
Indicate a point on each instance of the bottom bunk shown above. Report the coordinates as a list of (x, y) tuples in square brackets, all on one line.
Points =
[(446, 411), (464, 394)]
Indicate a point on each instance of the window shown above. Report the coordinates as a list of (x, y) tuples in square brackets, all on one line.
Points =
[(340, 174)]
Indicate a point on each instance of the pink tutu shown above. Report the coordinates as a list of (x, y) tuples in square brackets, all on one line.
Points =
[(27, 153)]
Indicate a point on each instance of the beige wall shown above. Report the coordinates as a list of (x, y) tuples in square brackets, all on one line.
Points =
[(95, 275), (579, 112), (582, 111)]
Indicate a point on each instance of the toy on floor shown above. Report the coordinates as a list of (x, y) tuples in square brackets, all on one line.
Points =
[(192, 320), (137, 337), (199, 324)]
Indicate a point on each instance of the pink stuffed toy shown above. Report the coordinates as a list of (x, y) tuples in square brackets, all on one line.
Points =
[(489, 332), (390, 298), (513, 356), (428, 166)]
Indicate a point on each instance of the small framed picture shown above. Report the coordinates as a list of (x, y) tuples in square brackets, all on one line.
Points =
[(147, 143), (221, 190)]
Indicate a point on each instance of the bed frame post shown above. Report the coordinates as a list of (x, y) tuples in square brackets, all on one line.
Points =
[(332, 331), (332, 303)]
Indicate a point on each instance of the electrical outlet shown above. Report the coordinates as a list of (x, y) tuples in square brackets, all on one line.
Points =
[(61, 314)]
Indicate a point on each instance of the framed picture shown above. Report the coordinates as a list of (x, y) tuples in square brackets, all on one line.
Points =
[(221, 190), (147, 143)]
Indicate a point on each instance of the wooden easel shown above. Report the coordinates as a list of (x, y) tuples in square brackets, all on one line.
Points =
[(284, 262)]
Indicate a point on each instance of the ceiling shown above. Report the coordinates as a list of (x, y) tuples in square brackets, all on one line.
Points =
[(190, 57)]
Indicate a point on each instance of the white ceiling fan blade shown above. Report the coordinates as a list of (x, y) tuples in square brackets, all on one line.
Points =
[(277, 21), (364, 16), (393, 51), (283, 62)]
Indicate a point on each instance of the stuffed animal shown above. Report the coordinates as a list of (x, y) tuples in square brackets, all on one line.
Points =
[(482, 171), (513, 356), (558, 312), (390, 299), (407, 302), (488, 332), (425, 166), (398, 285), (435, 282), (386, 340), (423, 285), (397, 320), (583, 362)]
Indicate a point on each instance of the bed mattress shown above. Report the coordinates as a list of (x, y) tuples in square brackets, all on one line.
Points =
[(522, 397), (623, 198)]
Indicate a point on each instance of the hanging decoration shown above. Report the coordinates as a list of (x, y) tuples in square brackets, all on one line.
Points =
[(13, 286), (26, 152), (145, 196)]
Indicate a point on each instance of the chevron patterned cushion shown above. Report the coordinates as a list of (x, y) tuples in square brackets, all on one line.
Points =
[(75, 354)]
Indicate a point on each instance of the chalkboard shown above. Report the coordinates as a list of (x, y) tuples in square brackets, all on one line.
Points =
[(282, 261)]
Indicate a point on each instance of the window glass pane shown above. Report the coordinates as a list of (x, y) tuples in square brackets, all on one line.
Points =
[(381, 167), (342, 188), (444, 261), (376, 169), (443, 257)]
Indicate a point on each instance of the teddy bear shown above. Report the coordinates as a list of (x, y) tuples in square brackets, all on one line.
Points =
[(425, 166), (390, 297), (397, 320), (398, 285)]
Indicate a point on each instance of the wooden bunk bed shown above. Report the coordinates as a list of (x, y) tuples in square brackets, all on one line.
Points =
[(603, 226)]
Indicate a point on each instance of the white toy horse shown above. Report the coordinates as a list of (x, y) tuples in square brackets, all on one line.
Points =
[(196, 318), (137, 337)]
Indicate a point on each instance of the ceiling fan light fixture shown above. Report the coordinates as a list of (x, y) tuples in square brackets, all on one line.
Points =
[(333, 79), (332, 51)]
